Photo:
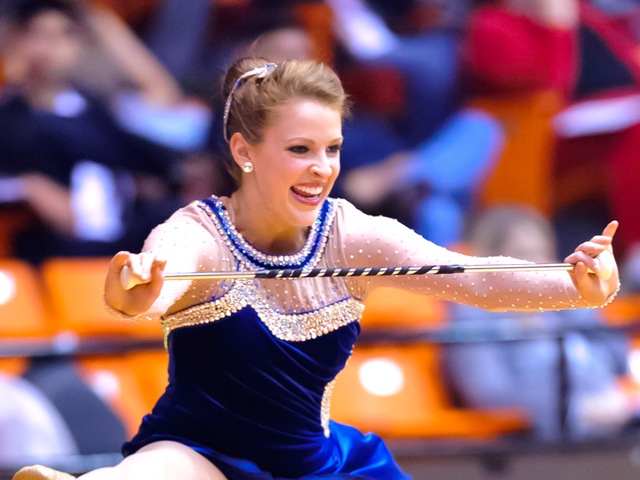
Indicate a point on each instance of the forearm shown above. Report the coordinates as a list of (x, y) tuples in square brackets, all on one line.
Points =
[(136, 62), (499, 291), (371, 241), (50, 201)]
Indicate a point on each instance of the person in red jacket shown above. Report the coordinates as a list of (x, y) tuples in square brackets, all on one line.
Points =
[(573, 47)]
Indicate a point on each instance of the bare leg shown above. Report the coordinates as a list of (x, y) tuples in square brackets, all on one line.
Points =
[(40, 472), (163, 460)]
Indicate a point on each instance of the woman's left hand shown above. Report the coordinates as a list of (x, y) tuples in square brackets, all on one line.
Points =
[(595, 272)]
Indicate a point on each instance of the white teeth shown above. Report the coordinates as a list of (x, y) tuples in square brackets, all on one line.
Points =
[(309, 190)]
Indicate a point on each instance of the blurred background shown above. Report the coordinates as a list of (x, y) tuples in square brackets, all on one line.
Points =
[(490, 127)]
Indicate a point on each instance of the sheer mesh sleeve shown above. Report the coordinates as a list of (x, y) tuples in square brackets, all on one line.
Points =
[(379, 241), (188, 243)]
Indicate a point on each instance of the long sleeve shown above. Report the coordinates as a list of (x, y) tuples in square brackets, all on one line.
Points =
[(379, 241)]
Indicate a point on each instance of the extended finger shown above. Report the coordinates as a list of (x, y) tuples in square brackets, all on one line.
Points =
[(610, 229)]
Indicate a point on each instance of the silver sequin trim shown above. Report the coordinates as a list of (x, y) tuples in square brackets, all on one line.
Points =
[(325, 408), (274, 260), (296, 327)]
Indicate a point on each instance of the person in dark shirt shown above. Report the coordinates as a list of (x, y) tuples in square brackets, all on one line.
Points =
[(93, 186)]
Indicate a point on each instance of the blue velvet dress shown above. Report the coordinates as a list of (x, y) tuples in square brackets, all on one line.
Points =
[(250, 384)]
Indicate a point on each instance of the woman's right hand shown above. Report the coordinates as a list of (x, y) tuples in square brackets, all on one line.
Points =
[(146, 272)]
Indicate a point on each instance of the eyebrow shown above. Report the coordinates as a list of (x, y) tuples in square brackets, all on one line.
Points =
[(305, 139)]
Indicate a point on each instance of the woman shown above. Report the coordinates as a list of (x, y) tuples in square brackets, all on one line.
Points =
[(252, 362)]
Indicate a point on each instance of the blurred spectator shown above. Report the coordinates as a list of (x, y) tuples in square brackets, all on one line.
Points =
[(96, 187), (280, 44), (176, 32), (51, 413), (197, 40), (591, 57), (115, 65), (431, 188), (532, 373), (31, 429), (426, 57), (424, 169), (144, 96)]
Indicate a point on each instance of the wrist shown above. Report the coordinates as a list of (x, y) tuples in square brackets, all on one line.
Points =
[(123, 315), (612, 295)]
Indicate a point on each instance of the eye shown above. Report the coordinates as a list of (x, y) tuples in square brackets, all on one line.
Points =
[(298, 149), (334, 149)]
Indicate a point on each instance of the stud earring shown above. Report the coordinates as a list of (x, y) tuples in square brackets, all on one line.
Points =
[(247, 167)]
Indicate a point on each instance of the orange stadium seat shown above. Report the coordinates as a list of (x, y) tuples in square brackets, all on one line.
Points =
[(151, 371), (75, 287), (399, 390), (624, 310), (130, 382), (394, 308), (112, 380), (23, 312), (316, 18), (523, 173)]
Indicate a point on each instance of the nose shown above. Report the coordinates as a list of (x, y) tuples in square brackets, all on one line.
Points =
[(322, 166)]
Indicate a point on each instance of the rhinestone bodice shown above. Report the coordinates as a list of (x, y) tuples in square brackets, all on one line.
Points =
[(292, 327), (311, 318)]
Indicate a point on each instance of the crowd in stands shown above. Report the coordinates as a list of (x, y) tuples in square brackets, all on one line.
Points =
[(108, 123), (140, 80)]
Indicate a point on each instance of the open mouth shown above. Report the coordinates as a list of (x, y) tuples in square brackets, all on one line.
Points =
[(309, 195)]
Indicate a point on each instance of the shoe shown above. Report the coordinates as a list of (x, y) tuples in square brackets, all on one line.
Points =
[(39, 472)]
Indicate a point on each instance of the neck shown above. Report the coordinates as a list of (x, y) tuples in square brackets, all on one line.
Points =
[(259, 228)]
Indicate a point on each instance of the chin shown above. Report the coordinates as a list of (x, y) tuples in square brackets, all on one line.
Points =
[(305, 218), (308, 218)]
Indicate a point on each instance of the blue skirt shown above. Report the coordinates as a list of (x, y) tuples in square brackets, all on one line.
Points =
[(355, 456)]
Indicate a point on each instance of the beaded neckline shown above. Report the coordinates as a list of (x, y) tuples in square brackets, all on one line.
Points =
[(308, 256)]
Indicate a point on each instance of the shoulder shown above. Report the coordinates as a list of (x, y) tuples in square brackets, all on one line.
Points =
[(188, 223), (355, 228), (348, 217), (192, 214)]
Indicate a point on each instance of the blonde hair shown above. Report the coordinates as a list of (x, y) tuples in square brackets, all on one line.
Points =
[(252, 102)]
